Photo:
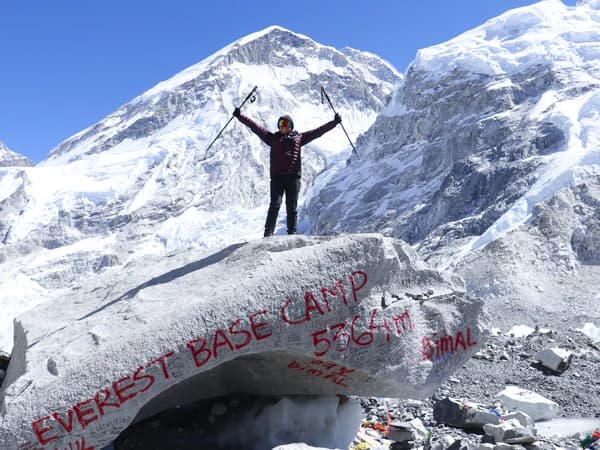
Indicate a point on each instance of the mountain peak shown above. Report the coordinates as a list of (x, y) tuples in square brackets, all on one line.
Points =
[(544, 33), (9, 158), (273, 29), (238, 50)]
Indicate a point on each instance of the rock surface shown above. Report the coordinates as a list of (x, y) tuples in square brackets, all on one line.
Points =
[(353, 315)]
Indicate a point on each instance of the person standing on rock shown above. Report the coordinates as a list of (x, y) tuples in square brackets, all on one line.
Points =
[(286, 164)]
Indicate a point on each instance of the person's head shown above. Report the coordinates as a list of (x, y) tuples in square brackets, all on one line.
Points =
[(285, 124)]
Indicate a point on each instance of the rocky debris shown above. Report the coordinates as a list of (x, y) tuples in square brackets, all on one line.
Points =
[(407, 434), (524, 419), (467, 415), (507, 359), (510, 431), (574, 391), (514, 431), (536, 406), (555, 359)]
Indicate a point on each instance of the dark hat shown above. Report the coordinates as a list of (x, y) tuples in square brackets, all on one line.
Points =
[(288, 118)]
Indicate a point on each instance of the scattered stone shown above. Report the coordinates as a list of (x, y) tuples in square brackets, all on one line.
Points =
[(510, 432), (541, 445), (413, 431), (522, 418), (455, 413), (537, 407), (459, 445), (484, 354), (555, 359), (411, 403), (442, 443)]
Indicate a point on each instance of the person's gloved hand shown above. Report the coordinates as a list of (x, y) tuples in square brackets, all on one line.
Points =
[(337, 118), (237, 112)]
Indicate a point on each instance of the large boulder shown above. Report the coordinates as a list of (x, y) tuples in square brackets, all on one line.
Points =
[(354, 315)]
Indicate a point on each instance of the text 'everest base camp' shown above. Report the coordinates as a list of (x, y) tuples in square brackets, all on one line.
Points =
[(302, 315), (445, 280)]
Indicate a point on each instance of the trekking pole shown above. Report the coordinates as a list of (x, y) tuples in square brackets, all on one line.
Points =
[(324, 94), (231, 118)]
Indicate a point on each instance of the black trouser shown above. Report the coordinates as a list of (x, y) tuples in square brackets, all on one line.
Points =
[(290, 184)]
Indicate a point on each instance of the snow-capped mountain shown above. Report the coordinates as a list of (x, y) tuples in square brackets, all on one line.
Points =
[(140, 181), (488, 160), (9, 158)]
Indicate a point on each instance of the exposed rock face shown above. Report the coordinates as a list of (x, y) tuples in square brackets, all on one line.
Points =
[(545, 268), (487, 161), (462, 152), (351, 315)]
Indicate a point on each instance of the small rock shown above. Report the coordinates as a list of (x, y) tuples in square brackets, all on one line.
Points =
[(555, 359), (449, 411), (510, 432), (458, 445), (483, 354), (537, 407), (413, 431), (442, 443), (410, 403), (522, 418)]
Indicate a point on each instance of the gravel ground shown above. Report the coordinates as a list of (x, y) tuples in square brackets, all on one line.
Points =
[(506, 360)]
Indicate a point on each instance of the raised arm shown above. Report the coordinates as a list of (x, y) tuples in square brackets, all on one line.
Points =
[(311, 135), (264, 134)]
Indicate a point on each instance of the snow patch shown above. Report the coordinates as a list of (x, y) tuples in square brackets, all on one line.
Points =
[(592, 331)]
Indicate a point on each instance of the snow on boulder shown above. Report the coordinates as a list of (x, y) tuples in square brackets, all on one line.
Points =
[(354, 315), (534, 405)]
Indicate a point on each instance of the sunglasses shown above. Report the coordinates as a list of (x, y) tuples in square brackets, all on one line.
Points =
[(283, 123)]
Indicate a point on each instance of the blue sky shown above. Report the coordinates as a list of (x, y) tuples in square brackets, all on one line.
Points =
[(66, 64)]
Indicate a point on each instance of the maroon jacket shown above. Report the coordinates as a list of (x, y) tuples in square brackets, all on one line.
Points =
[(285, 148)]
